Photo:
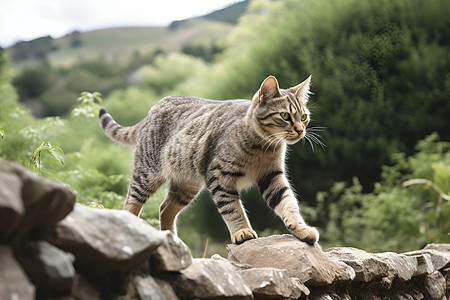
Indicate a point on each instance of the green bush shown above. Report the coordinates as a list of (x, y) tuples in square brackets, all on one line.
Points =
[(396, 216), (169, 71), (17, 143)]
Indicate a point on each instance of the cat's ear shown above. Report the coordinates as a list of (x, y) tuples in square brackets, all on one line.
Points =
[(269, 88), (301, 91)]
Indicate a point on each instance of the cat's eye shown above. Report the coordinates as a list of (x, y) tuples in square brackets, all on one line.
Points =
[(304, 117), (286, 116)]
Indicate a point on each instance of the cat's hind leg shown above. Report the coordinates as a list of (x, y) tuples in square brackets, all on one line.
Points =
[(142, 185), (178, 197)]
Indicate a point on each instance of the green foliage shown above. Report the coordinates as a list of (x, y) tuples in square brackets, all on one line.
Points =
[(394, 217), (55, 151), (130, 105), (51, 91), (205, 51), (34, 81), (170, 71), (89, 75), (35, 49), (14, 118)]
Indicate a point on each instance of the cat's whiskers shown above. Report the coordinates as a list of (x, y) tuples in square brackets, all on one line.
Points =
[(317, 128), (270, 139), (312, 136), (270, 142), (279, 140), (317, 139)]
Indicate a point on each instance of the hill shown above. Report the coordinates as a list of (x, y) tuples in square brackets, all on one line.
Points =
[(119, 44)]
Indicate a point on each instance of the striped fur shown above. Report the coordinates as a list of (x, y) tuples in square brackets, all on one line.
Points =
[(224, 146), (116, 132)]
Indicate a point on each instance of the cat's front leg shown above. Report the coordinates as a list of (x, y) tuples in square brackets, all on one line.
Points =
[(230, 207), (275, 189)]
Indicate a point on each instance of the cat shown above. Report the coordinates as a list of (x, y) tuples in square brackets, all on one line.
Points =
[(225, 146)]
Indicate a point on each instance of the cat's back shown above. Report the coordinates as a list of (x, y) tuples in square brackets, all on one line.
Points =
[(178, 116), (183, 110), (189, 103)]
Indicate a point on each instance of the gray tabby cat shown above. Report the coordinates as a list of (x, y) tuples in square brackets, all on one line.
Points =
[(223, 145)]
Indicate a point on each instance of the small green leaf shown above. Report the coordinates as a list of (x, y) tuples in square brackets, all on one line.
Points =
[(54, 151), (57, 154), (87, 98), (43, 146)]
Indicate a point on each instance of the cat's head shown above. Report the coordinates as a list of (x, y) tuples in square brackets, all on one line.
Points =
[(281, 115)]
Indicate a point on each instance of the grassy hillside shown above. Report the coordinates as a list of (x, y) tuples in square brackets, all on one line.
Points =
[(121, 43), (118, 44)]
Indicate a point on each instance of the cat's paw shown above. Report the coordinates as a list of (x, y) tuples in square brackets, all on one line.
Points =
[(242, 235), (305, 233)]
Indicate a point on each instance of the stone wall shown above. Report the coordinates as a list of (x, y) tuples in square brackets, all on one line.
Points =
[(52, 248)]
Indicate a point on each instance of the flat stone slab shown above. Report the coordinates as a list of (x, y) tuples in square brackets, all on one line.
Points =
[(306, 262), (208, 278), (367, 266), (106, 238)]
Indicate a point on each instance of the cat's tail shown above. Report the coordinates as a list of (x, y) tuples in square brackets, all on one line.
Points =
[(117, 132)]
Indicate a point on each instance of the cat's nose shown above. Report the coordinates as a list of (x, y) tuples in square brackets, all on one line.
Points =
[(299, 128)]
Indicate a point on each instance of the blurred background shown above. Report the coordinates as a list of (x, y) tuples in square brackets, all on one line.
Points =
[(381, 88)]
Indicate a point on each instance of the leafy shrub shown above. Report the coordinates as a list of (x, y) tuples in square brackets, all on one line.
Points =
[(169, 71), (394, 217)]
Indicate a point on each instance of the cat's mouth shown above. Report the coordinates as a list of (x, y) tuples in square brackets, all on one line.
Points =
[(295, 137)]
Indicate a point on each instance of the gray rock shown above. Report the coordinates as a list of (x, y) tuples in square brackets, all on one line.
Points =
[(434, 286), (45, 201), (401, 267), (105, 238), (367, 266), (172, 255), (235, 264), (301, 260), (48, 267), (210, 279), (446, 274), (346, 275), (424, 264), (149, 288), (14, 283), (11, 205), (440, 259), (269, 283), (438, 247)]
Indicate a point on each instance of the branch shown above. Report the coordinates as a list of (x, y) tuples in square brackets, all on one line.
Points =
[(428, 183)]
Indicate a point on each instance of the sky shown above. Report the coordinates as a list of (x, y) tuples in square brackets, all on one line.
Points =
[(23, 20)]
